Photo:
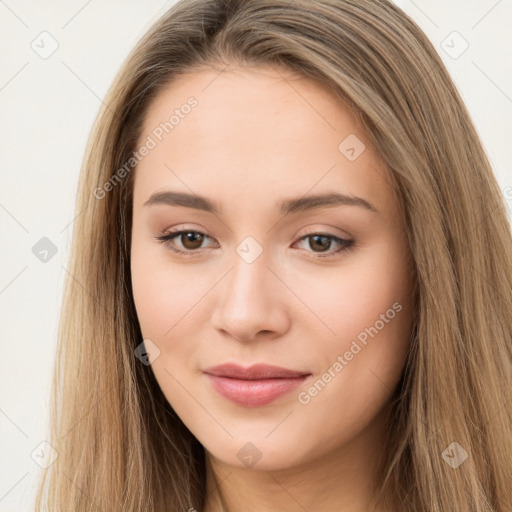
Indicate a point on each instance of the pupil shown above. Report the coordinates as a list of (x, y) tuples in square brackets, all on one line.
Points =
[(321, 237), (193, 238)]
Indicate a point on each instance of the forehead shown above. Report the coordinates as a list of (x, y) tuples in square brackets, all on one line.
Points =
[(257, 134)]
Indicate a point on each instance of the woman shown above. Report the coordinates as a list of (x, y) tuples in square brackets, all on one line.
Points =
[(291, 283)]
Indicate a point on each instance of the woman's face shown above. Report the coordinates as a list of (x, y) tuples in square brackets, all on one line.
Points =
[(262, 174)]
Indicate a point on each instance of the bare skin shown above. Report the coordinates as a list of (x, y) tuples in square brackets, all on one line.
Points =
[(256, 137)]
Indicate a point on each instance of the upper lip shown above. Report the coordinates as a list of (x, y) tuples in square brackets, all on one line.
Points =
[(256, 371)]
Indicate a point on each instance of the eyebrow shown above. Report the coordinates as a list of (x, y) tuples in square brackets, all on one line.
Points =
[(286, 206)]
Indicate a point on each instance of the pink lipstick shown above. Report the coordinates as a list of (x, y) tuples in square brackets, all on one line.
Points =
[(255, 386)]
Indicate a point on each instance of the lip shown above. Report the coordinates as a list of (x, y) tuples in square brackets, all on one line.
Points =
[(257, 385)]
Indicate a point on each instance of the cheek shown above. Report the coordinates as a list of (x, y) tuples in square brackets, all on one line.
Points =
[(152, 296), (163, 292), (167, 302), (170, 312), (352, 296), (369, 309)]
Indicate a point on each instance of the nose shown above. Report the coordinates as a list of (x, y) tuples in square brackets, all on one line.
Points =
[(251, 302)]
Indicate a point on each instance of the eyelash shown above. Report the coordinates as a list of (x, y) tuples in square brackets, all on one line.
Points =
[(346, 245)]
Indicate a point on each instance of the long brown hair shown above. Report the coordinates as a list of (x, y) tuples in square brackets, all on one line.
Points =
[(120, 445)]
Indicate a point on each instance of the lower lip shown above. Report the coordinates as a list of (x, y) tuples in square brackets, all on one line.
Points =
[(253, 393)]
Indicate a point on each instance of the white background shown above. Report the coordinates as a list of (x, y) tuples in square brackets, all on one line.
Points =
[(47, 109)]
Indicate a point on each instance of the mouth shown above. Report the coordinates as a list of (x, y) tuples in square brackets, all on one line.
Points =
[(255, 386)]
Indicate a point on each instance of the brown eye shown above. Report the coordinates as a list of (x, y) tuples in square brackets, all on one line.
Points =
[(191, 239), (320, 242)]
